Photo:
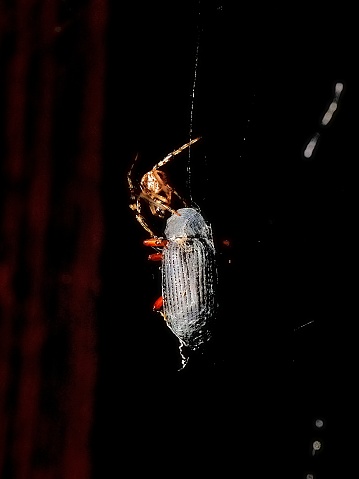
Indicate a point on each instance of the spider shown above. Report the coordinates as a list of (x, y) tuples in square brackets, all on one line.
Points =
[(155, 189)]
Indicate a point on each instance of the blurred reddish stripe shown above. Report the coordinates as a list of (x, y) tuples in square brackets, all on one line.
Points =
[(85, 274), (13, 208), (37, 214), (33, 445)]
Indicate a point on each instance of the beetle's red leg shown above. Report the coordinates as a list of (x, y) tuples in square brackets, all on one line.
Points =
[(155, 257), (158, 304), (155, 242)]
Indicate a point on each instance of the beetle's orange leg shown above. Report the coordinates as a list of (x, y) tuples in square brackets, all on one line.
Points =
[(155, 257), (155, 242), (158, 304)]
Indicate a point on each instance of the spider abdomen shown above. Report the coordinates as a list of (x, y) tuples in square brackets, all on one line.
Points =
[(189, 278)]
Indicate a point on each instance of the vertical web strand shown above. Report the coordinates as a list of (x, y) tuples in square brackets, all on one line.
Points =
[(192, 107)]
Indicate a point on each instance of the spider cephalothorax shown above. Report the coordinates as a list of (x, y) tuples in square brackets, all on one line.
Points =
[(154, 188)]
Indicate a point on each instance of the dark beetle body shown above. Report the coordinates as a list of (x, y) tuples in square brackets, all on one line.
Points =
[(189, 278)]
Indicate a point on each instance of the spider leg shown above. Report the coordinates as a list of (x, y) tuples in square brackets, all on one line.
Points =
[(129, 176), (180, 197), (167, 190), (143, 223), (140, 218), (167, 158), (158, 202), (133, 195)]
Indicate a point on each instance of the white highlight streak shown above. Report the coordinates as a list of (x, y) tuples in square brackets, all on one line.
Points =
[(303, 325), (338, 89), (191, 113), (334, 104), (311, 145), (328, 115)]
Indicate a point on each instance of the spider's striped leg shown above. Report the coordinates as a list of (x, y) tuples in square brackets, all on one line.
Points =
[(137, 207), (134, 205), (153, 201), (167, 158), (129, 179), (179, 196)]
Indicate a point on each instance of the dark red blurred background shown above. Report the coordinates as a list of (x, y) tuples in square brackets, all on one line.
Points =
[(53, 67), (89, 380)]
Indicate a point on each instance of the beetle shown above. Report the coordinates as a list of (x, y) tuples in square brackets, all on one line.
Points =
[(188, 259)]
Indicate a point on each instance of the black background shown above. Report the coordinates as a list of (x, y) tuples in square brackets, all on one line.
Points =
[(264, 79)]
